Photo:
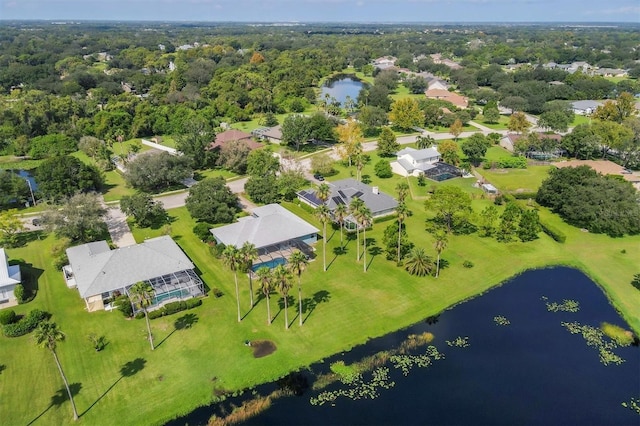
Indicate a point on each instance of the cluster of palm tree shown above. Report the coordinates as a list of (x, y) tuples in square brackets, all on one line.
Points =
[(280, 279), (241, 260)]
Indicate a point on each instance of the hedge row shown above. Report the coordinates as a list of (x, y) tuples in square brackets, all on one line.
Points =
[(525, 195), (173, 307), (553, 232), (27, 324)]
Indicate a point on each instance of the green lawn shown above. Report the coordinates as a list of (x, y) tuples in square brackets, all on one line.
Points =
[(500, 125), (579, 119), (114, 183), (496, 152), (188, 365), (521, 180)]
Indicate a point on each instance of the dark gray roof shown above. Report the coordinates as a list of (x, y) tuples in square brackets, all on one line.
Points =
[(346, 190), (589, 104), (97, 269), (267, 225)]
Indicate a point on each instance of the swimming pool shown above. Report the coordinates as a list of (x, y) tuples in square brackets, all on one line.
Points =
[(270, 263)]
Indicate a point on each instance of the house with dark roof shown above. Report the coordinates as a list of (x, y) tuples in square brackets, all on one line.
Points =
[(345, 190), (100, 274), (415, 162), (273, 230), (585, 107), (9, 279)]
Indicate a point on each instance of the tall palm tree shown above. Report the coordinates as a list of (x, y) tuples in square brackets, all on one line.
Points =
[(359, 160), (354, 207), (423, 142), (265, 278), (298, 263), (323, 215), (419, 263), (231, 257), (402, 212), (365, 220), (249, 253), (141, 296), (339, 215), (282, 278), (440, 244), (402, 188), (47, 336), (323, 192)]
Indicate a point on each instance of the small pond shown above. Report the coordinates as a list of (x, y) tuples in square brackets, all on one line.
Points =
[(507, 357), (341, 86), (28, 176)]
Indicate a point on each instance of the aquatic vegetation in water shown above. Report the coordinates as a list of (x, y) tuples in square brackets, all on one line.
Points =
[(621, 336), (500, 320), (567, 305), (359, 388), (406, 362), (459, 342), (633, 405), (347, 373), (596, 338)]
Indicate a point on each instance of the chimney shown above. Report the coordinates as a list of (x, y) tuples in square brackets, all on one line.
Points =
[(375, 190)]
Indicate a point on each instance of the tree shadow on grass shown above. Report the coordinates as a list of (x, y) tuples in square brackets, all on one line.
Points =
[(2, 368), (184, 322), (59, 398), (309, 304), (128, 369), (30, 277), (373, 251), (24, 238)]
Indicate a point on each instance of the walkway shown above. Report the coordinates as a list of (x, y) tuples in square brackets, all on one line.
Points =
[(118, 227)]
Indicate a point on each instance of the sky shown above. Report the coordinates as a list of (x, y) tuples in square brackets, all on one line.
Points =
[(326, 10)]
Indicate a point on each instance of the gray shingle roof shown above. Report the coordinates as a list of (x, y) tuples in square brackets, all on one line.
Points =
[(585, 104), (268, 225), (346, 189), (97, 269)]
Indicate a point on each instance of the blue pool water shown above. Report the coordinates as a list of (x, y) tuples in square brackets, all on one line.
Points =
[(270, 264)]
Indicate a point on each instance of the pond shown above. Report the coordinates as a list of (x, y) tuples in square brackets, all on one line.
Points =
[(341, 86), (506, 357)]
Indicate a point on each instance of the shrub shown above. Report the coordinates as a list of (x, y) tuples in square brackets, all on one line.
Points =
[(553, 232), (383, 169), (124, 305), (201, 230), (155, 314), (525, 195), (217, 292), (173, 307), (467, 264), (512, 163), (8, 316), (139, 315), (192, 303), (27, 324), (18, 292)]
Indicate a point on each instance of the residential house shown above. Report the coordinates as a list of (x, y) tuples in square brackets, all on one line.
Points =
[(445, 95), (605, 167), (610, 72), (585, 107), (9, 279), (101, 274), (233, 135), (273, 230), (345, 190), (270, 134), (385, 62), (438, 59), (414, 162)]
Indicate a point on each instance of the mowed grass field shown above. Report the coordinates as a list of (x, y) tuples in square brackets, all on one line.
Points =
[(350, 306)]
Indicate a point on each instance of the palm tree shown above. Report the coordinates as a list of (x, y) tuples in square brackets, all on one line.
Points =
[(364, 219), (249, 253), (323, 215), (354, 208), (323, 192), (402, 188), (339, 215), (265, 278), (141, 296), (231, 257), (423, 142), (402, 212), (297, 263), (282, 278), (47, 336), (440, 244), (359, 160), (419, 263)]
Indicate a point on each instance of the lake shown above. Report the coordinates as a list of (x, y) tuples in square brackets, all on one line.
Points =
[(524, 368), (341, 86)]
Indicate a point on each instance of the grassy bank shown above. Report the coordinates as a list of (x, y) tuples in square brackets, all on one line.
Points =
[(347, 306)]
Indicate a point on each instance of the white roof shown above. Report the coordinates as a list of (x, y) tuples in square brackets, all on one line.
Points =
[(9, 275), (97, 269), (267, 225), (419, 154)]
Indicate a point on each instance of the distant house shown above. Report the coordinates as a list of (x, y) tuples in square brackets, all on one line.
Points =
[(610, 72), (585, 107), (438, 59), (605, 167), (445, 95), (234, 135), (414, 162), (385, 62), (345, 190), (9, 279), (100, 274), (273, 230), (270, 134)]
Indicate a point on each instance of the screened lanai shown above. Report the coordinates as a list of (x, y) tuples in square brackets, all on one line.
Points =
[(174, 286)]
